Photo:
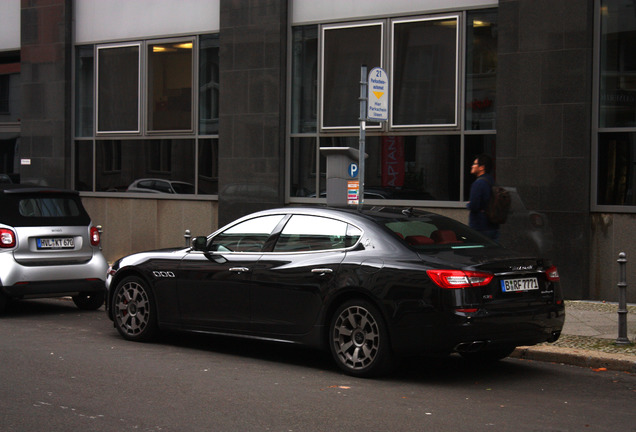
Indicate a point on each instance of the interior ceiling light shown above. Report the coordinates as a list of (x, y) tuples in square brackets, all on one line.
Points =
[(478, 23)]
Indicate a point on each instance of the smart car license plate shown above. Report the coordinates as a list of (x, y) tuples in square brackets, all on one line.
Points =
[(525, 284), (56, 243)]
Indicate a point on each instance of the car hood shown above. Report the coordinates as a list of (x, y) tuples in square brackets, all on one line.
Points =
[(140, 257)]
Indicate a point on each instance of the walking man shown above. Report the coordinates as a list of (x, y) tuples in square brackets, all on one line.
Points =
[(480, 194)]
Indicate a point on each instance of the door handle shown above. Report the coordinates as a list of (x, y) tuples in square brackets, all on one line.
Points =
[(239, 269), (322, 271)]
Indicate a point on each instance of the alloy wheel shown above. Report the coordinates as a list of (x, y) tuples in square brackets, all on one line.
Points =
[(132, 310), (356, 338)]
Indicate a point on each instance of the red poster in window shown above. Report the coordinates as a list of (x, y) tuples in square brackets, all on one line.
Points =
[(392, 161)]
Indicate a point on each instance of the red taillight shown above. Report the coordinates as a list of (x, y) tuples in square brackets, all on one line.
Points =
[(552, 274), (459, 278), (7, 238), (95, 236)]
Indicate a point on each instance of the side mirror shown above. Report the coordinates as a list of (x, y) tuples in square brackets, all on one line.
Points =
[(200, 243)]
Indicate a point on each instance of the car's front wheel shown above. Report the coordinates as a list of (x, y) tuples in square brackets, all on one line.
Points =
[(89, 301), (134, 310), (358, 339)]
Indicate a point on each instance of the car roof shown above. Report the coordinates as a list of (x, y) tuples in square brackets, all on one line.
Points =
[(373, 213), (32, 189)]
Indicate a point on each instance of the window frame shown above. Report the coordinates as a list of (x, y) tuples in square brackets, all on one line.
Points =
[(321, 50), (597, 130), (458, 63), (99, 47), (148, 82), (87, 146), (313, 177)]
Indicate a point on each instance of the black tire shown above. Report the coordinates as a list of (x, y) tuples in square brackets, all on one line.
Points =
[(359, 341), (3, 303), (488, 356), (134, 310), (89, 301)]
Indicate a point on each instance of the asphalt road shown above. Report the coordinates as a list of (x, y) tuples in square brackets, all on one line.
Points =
[(62, 369)]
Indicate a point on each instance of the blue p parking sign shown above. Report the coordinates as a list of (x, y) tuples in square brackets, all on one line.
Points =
[(353, 170)]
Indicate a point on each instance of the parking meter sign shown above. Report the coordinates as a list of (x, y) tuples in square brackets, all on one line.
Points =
[(353, 170), (378, 95)]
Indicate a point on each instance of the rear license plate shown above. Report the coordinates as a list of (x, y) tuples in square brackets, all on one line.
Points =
[(56, 243), (526, 284)]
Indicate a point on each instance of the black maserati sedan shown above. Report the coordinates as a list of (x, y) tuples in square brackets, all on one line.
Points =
[(371, 286)]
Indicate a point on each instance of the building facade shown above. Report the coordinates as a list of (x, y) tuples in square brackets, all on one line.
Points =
[(229, 102)]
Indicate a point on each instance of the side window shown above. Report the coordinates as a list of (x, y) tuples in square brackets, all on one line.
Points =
[(312, 233), (247, 236)]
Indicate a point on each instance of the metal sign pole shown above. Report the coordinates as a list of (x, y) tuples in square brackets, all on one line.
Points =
[(363, 125)]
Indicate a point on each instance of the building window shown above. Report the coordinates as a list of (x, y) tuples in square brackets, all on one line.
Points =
[(304, 79), (481, 70), (209, 84), (420, 167), (157, 143), (422, 154), (618, 64), (616, 176), (120, 163), (4, 94), (10, 82), (84, 166), (208, 156), (345, 50), (303, 178), (84, 85), (170, 86), (425, 70), (118, 89), (616, 140)]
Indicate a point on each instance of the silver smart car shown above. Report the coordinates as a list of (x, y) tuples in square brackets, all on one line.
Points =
[(48, 247)]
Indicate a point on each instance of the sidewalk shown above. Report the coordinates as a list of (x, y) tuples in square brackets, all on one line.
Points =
[(588, 339)]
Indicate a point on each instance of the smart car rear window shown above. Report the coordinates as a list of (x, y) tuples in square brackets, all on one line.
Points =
[(48, 207), (42, 210)]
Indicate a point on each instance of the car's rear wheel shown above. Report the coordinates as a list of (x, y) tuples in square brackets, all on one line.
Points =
[(3, 302), (488, 356), (359, 340), (89, 301), (134, 310)]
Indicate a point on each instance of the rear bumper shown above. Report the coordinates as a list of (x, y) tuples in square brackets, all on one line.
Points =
[(62, 288), (482, 330), (19, 281)]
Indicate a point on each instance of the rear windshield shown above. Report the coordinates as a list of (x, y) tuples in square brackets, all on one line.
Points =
[(39, 210), (437, 232), (48, 207)]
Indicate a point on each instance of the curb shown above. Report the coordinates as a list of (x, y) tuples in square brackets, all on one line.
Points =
[(578, 357)]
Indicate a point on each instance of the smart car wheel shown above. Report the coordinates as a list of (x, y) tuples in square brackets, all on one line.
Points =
[(359, 340), (134, 310), (89, 301)]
